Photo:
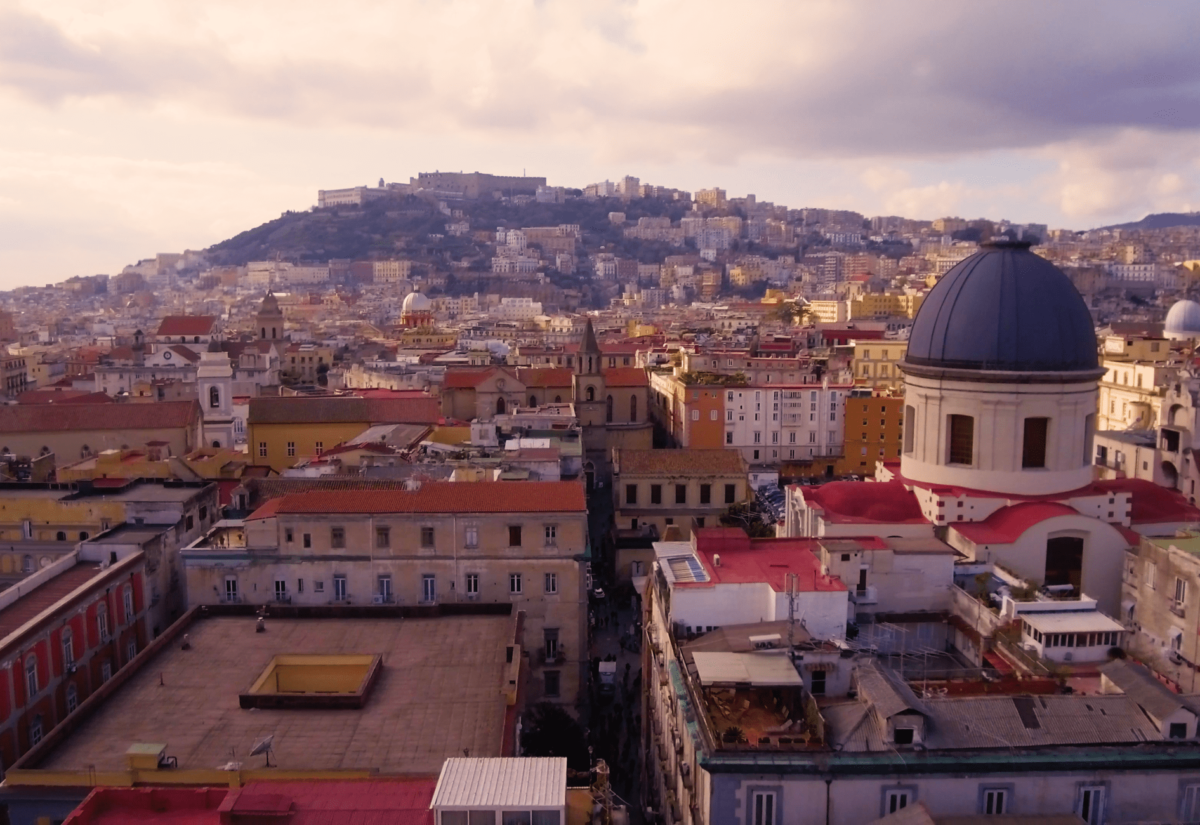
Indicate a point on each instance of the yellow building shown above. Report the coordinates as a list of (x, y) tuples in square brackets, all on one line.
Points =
[(877, 364), (72, 431), (445, 543), (306, 362), (1131, 394), (875, 304), (829, 312), (282, 431), (1136, 348), (874, 432), (425, 338), (210, 463)]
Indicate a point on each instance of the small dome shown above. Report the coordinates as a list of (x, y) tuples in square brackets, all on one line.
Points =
[(1004, 309), (416, 302), (1183, 321), (270, 304)]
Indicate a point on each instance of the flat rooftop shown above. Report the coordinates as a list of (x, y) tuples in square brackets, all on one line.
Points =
[(439, 693), (127, 533)]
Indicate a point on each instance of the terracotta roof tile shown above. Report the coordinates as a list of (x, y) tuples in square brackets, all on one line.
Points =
[(343, 409), (626, 377), (187, 325), (34, 418), (545, 377), (443, 497), (692, 463)]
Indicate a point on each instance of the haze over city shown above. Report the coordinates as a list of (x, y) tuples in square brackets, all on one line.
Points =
[(135, 128)]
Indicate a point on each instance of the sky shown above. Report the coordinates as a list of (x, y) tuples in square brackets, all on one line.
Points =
[(130, 128)]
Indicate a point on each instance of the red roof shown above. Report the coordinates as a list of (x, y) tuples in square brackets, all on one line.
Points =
[(626, 377), (465, 378), (746, 561), (187, 325), (1008, 524), (363, 802), (37, 418), (437, 497), (866, 502), (545, 377), (30, 605), (187, 354), (63, 397), (1151, 504)]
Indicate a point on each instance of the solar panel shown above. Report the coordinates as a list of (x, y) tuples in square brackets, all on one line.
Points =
[(687, 569)]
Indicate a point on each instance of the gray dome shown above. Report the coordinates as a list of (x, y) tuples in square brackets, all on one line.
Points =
[(1183, 320), (1004, 309)]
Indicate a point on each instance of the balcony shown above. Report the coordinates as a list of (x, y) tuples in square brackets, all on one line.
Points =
[(383, 598), (553, 657), (1178, 609), (282, 598), (865, 595)]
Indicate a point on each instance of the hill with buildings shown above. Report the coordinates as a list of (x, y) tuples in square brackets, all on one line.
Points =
[(1161, 220)]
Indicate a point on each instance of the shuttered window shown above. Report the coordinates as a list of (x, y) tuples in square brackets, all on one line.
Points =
[(962, 439)]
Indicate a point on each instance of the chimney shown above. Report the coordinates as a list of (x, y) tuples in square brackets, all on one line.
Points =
[(716, 559)]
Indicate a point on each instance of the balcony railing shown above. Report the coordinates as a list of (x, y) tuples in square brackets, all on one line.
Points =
[(553, 657), (1178, 609), (865, 595)]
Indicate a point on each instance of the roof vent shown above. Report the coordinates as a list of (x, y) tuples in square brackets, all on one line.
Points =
[(412, 485), (716, 559)]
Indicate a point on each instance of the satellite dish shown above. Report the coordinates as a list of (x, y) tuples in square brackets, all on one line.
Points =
[(263, 746)]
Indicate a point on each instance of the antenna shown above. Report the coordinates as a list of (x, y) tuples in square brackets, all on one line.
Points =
[(263, 746), (792, 617)]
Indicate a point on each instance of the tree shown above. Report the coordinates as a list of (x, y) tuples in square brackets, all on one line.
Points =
[(551, 731)]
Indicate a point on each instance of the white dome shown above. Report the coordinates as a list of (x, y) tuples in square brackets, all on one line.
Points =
[(1183, 321), (416, 302)]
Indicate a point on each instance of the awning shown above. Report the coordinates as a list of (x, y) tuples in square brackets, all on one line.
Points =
[(820, 667)]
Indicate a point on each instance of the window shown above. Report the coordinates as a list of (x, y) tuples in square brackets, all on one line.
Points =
[(551, 583), (337, 537), (72, 698), (31, 676), (106, 670), (962, 439), (712, 415), (231, 595), (909, 415), (608, 409), (1033, 448), (894, 799), (695, 415), (262, 449), (730, 493), (729, 438), (318, 587), (471, 536), (655, 493), (1189, 806), (35, 730), (514, 584), (1177, 730), (1151, 575), (551, 531), (131, 650), (383, 585), (817, 686), (383, 537), (127, 604), (1090, 804), (729, 415), (299, 585), (68, 647), (995, 801), (428, 588), (763, 810), (319, 447), (552, 689), (427, 537), (339, 588), (291, 448), (757, 437), (681, 494), (706, 494), (903, 736), (631, 494), (214, 397), (1180, 592), (60, 535), (472, 584), (514, 535), (280, 590), (307, 540)]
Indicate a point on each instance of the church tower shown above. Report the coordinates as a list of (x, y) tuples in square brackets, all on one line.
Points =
[(214, 382), (588, 391), (269, 321)]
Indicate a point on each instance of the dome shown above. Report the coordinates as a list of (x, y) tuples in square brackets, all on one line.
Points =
[(270, 304), (416, 302), (1004, 309), (1183, 321)]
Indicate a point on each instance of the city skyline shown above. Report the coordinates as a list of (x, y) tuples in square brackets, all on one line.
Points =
[(136, 130)]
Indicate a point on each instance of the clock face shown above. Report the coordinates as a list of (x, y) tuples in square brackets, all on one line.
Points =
[(167, 356), (500, 384)]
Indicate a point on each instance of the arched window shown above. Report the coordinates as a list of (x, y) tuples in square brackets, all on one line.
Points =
[(31, 675), (558, 399), (68, 647), (608, 409), (264, 333), (61, 535), (44, 451), (85, 451), (214, 396), (532, 401), (499, 406), (633, 409), (591, 393), (84, 535), (216, 444)]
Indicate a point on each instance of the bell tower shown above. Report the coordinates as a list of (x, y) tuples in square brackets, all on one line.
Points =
[(588, 390)]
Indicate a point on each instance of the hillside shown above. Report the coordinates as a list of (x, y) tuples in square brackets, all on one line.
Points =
[(403, 225), (1161, 220)]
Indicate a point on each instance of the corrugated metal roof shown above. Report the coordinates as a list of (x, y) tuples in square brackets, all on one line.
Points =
[(502, 782), (758, 669)]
